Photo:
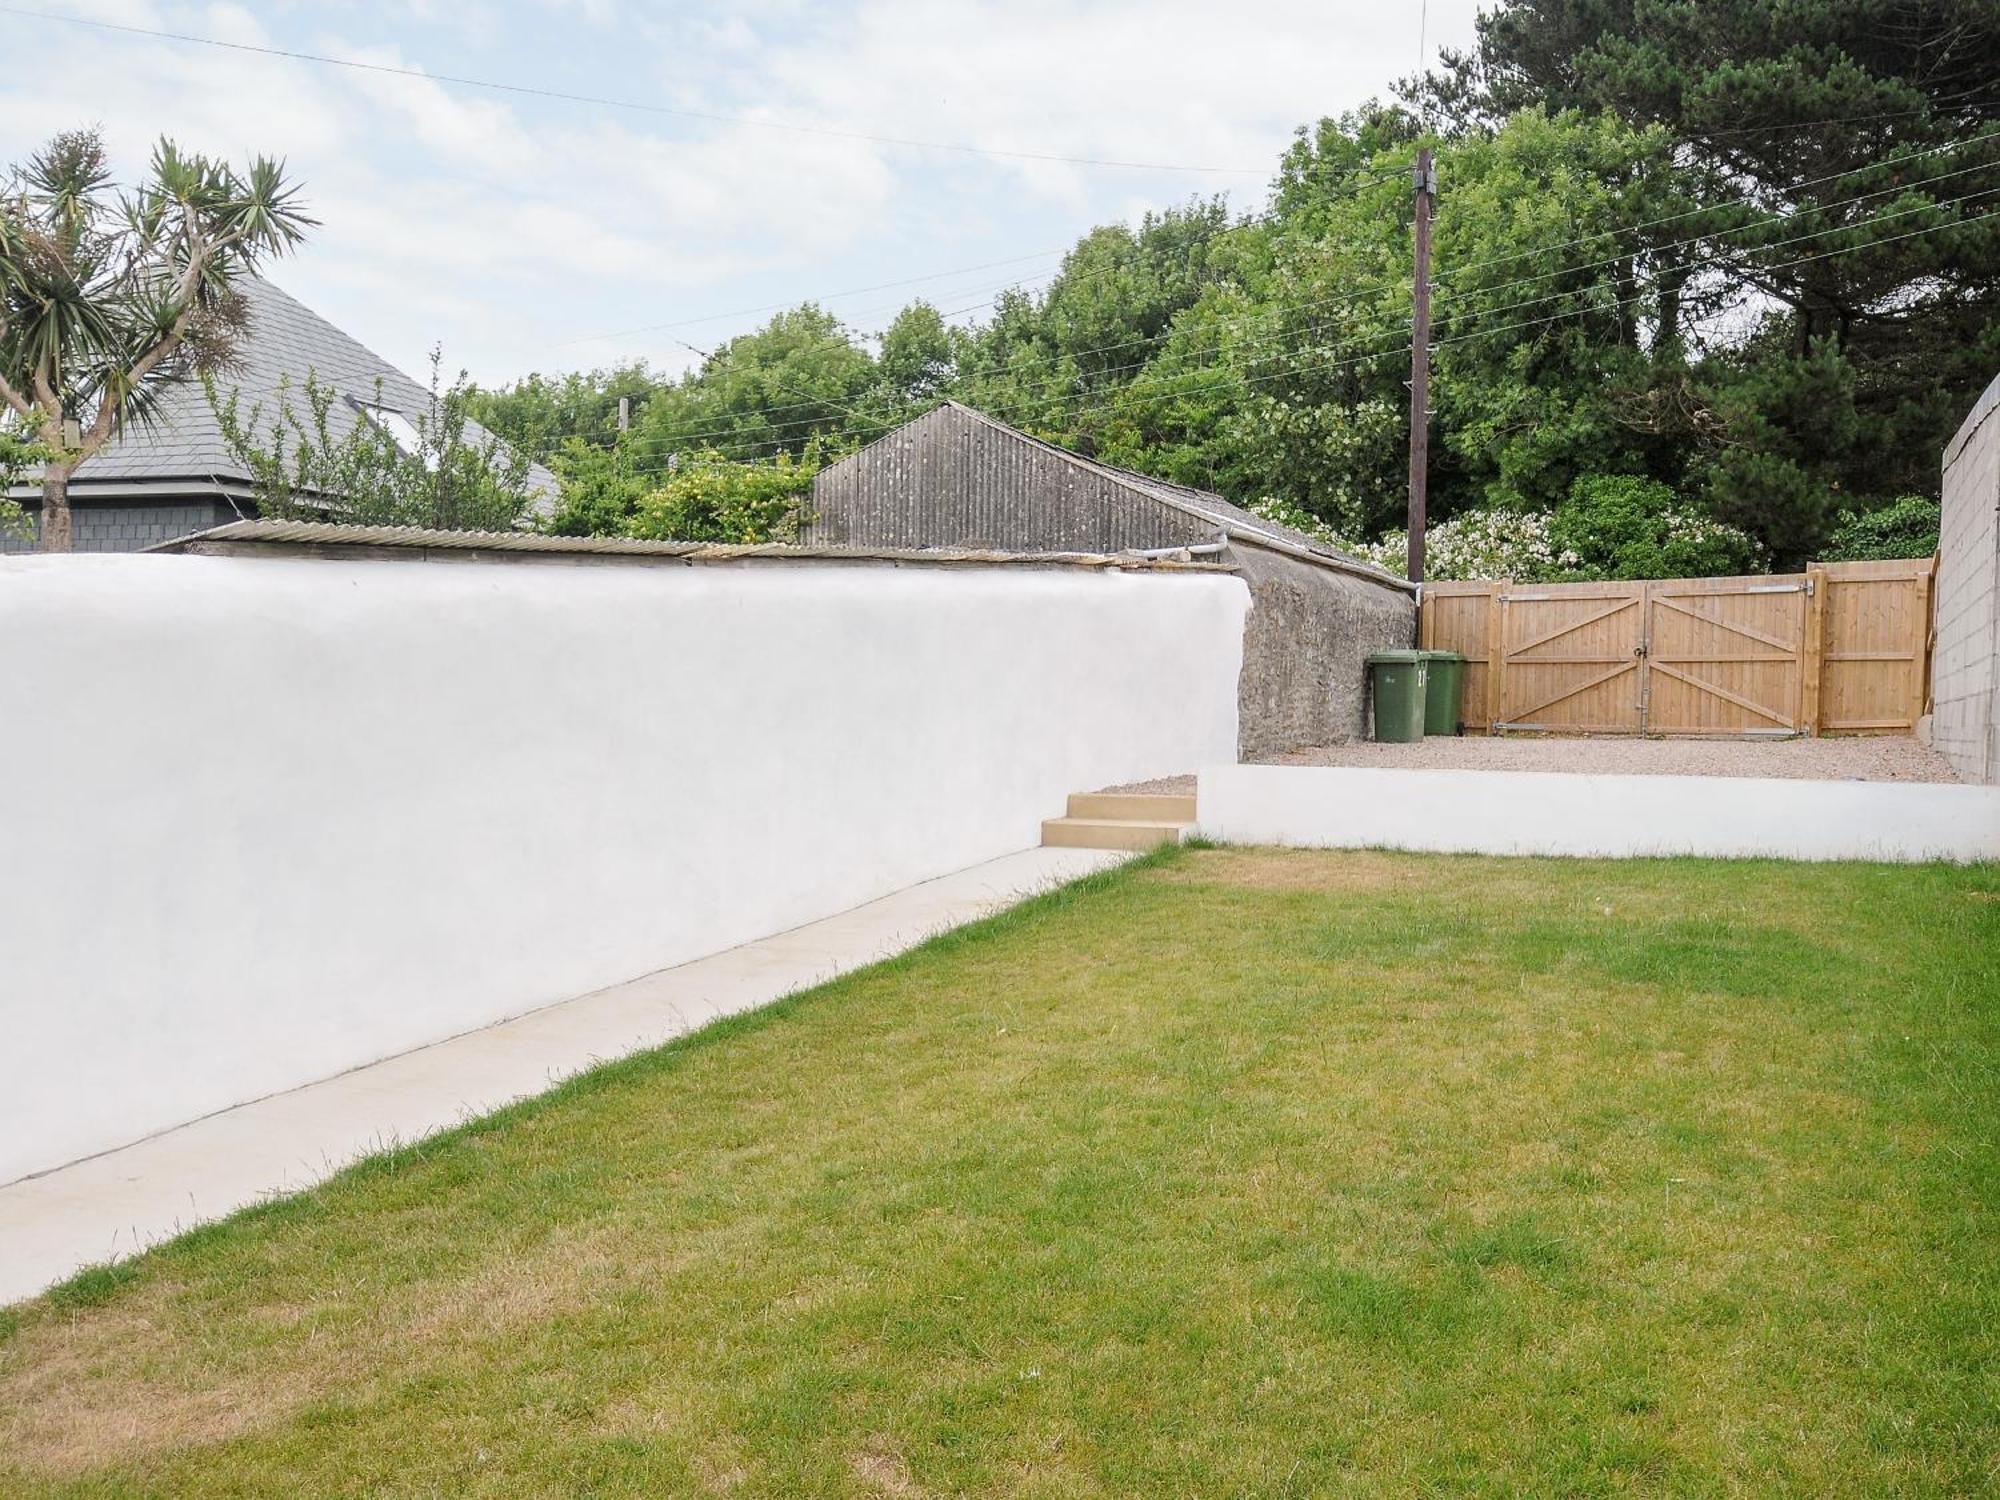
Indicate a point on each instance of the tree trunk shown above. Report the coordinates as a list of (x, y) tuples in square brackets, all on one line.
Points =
[(1667, 337), (55, 508)]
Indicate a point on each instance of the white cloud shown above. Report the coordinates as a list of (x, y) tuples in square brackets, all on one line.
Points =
[(509, 227)]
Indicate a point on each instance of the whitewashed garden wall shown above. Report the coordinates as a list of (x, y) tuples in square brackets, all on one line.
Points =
[(272, 818)]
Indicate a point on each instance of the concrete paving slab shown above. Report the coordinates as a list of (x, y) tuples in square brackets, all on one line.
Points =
[(117, 1204)]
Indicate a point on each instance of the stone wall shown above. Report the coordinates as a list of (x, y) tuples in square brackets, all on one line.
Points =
[(1305, 650), (1965, 669)]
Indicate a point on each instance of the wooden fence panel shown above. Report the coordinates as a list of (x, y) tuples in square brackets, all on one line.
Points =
[(1876, 647), (1454, 618), (1843, 648)]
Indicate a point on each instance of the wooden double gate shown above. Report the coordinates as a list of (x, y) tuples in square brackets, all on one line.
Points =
[(1838, 648)]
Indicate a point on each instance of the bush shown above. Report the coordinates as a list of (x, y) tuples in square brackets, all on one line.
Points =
[(1476, 545), (1903, 528), (383, 469), (710, 499), (16, 454), (1623, 526), (601, 488), (1612, 526)]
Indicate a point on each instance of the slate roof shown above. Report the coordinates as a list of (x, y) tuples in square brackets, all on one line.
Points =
[(286, 339)]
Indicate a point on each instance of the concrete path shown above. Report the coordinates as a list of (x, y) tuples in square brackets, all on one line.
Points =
[(116, 1204)]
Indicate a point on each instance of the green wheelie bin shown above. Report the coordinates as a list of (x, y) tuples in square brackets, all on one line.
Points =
[(1397, 681), (1445, 681)]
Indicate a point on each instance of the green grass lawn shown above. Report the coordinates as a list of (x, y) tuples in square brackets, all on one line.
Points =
[(1234, 1174)]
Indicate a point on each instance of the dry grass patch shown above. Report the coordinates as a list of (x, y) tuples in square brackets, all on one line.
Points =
[(1293, 870)]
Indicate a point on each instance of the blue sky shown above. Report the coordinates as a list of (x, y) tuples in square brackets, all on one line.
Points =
[(525, 234)]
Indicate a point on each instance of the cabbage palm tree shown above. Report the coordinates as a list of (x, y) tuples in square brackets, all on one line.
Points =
[(108, 297)]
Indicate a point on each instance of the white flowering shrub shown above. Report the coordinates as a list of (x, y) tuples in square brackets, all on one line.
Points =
[(1611, 526), (1477, 545)]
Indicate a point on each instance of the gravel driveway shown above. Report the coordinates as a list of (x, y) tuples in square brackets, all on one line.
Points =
[(1885, 757), (1862, 758)]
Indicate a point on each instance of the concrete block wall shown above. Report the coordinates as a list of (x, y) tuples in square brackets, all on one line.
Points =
[(130, 528), (1965, 665)]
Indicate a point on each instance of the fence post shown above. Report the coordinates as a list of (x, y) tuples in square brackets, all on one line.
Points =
[(1496, 656), (1926, 639), (1812, 649)]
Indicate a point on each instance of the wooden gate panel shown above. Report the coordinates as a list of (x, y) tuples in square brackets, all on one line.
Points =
[(1455, 617), (1570, 659), (1849, 655), (1723, 656), (1877, 646)]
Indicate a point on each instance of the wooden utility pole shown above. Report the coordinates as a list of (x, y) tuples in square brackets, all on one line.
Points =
[(1420, 364)]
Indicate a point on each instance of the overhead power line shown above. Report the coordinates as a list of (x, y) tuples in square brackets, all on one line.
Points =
[(531, 91), (1456, 273), (1449, 305), (1885, 163), (1313, 360)]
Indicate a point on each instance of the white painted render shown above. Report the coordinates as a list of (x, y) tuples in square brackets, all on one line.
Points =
[(276, 818), (1532, 812)]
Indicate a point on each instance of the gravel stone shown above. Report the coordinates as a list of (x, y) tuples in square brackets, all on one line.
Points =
[(1886, 757), (1858, 758)]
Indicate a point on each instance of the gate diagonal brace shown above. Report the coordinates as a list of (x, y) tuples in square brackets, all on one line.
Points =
[(1602, 614), (1581, 687), (1721, 692)]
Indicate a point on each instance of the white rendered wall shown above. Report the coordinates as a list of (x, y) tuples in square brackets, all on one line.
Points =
[(1529, 812), (274, 818)]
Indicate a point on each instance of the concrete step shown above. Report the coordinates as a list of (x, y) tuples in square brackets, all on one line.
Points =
[(1110, 833), (1144, 807)]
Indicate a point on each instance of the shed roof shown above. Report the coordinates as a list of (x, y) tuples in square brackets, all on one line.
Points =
[(1202, 504), (285, 342)]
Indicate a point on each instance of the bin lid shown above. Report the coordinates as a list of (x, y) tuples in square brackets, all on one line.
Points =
[(1395, 658), (1442, 655)]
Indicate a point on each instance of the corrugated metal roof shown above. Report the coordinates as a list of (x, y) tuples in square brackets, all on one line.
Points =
[(281, 535), (285, 342), (958, 476), (1237, 520)]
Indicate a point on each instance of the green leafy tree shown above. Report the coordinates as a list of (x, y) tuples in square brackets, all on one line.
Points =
[(602, 485), (375, 467), (539, 412), (799, 376), (1907, 527), (1051, 362), (918, 362), (1625, 526), (1287, 378), (1886, 322), (105, 298)]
